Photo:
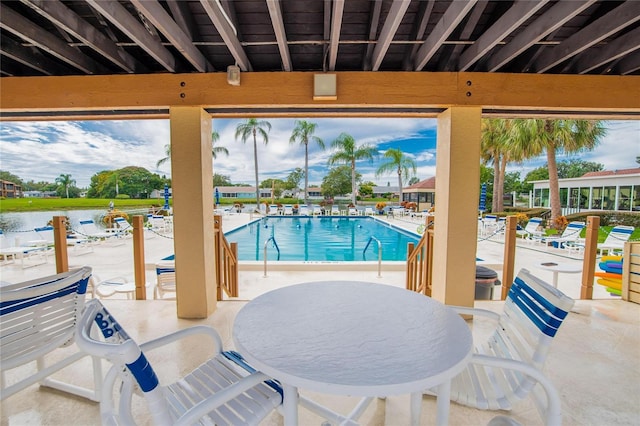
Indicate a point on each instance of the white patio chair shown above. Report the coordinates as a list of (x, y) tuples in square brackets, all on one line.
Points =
[(36, 318), (224, 390), (317, 210), (80, 245), (165, 279), (288, 210), (335, 210), (353, 211), (273, 209), (303, 210), (368, 211), (29, 255), (569, 236), (615, 240), (531, 231), (533, 312)]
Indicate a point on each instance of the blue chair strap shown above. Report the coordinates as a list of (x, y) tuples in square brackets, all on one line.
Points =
[(531, 303), (236, 358), (79, 287)]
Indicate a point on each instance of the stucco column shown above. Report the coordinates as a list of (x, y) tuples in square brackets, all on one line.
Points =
[(456, 205), (192, 191)]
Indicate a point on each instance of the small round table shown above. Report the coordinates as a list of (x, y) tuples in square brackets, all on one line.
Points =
[(558, 267), (354, 338)]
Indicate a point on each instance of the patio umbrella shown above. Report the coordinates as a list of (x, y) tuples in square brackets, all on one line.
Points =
[(217, 196), (166, 197), (483, 198)]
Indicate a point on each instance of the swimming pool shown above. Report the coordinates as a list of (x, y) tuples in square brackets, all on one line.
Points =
[(340, 239)]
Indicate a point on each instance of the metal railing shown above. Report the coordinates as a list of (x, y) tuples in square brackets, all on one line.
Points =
[(379, 253), (275, 244)]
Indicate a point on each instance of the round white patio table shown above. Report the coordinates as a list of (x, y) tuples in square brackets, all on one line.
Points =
[(558, 267), (354, 338)]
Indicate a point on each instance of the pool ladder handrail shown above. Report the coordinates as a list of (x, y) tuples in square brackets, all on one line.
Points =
[(275, 244), (379, 253)]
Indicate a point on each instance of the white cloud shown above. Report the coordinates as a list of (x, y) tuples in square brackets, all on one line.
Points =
[(41, 151)]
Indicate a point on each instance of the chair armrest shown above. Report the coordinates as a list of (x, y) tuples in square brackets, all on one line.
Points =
[(186, 332), (476, 311), (553, 412), (220, 397)]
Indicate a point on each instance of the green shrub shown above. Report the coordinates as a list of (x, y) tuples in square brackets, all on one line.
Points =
[(122, 197)]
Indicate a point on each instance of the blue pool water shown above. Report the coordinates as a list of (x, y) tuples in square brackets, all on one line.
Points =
[(320, 239)]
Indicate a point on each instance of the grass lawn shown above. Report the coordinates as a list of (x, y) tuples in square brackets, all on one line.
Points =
[(45, 204)]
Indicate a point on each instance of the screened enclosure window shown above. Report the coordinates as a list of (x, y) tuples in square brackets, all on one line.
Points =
[(541, 197), (564, 195), (635, 202), (596, 201), (609, 198), (624, 198), (584, 198)]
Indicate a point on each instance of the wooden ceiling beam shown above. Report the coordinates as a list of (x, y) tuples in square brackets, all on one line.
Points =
[(228, 33), (517, 14), (121, 18), (622, 16), (156, 14), (183, 17), (289, 92), (615, 49), (455, 13), (25, 29), (547, 23), (449, 63), (72, 23), (391, 24), (19, 53), (374, 20), (417, 32), (275, 12), (629, 64), (336, 26)]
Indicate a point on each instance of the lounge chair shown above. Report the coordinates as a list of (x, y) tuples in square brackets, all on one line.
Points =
[(335, 210), (531, 231), (89, 229), (273, 209), (368, 211), (29, 255), (303, 210), (36, 318), (165, 279), (317, 211), (570, 235), (288, 210), (224, 390), (615, 240), (353, 211), (80, 245), (532, 315)]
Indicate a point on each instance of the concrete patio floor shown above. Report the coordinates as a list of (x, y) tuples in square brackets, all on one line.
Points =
[(593, 362)]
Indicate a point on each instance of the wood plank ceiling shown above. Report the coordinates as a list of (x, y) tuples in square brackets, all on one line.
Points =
[(102, 37)]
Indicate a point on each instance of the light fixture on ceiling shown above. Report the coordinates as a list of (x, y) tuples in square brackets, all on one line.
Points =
[(324, 87), (233, 75)]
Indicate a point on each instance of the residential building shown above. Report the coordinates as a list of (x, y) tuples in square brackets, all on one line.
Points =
[(9, 189), (606, 190)]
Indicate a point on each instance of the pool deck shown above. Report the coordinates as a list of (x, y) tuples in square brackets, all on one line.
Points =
[(593, 363)]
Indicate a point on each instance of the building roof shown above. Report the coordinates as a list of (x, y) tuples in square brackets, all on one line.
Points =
[(612, 172), (82, 37), (429, 183)]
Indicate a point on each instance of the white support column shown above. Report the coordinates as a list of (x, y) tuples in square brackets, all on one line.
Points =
[(457, 195), (192, 187)]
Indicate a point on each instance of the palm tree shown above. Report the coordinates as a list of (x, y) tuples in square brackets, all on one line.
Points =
[(66, 181), (215, 150), (303, 132), (531, 137), (493, 149), (253, 127), (348, 153), (399, 163)]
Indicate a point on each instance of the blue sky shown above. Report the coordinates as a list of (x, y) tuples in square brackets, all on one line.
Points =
[(44, 150)]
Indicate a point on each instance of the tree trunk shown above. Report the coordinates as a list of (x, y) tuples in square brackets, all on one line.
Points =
[(255, 162), (353, 182), (554, 190), (496, 184), (306, 173), (502, 168), (400, 184)]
